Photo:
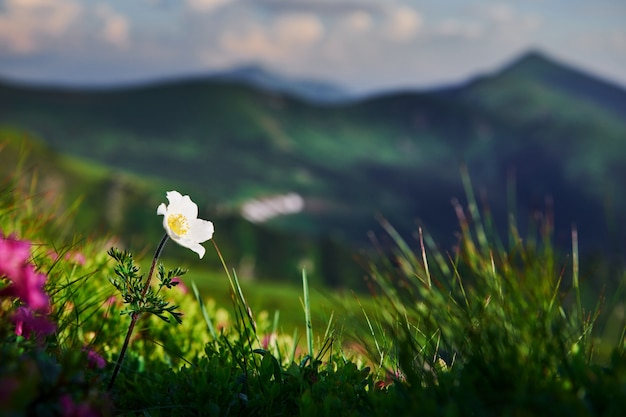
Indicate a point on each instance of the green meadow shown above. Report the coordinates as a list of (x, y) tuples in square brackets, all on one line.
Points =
[(383, 297), (495, 327)]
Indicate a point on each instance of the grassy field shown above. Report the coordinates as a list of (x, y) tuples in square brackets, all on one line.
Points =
[(491, 329), (285, 299)]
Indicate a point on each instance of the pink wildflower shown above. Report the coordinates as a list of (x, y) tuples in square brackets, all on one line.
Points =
[(27, 323), (109, 304), (268, 340), (95, 360), (76, 257), (27, 285), (73, 257), (13, 256), (180, 285)]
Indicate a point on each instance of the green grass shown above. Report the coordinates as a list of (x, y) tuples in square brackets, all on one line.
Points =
[(285, 300), (490, 329)]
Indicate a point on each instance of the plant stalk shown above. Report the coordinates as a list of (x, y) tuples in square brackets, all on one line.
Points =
[(136, 314)]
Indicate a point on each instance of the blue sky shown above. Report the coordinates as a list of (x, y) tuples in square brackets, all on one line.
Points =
[(359, 44)]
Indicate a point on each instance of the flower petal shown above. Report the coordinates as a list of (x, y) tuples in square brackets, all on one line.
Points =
[(173, 196), (26, 322), (15, 254), (195, 230), (194, 246), (200, 230), (166, 226), (199, 249), (182, 204)]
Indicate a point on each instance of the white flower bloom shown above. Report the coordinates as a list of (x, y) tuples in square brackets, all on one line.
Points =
[(182, 224)]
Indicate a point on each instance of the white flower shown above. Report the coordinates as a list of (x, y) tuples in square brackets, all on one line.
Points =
[(182, 224)]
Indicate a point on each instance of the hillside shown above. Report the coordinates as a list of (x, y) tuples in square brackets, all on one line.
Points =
[(256, 76), (556, 131), (95, 200)]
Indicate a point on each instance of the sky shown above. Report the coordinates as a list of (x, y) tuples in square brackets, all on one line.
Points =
[(361, 45)]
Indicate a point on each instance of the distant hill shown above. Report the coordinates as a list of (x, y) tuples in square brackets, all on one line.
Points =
[(310, 90), (554, 132), (538, 69), (569, 81), (92, 200)]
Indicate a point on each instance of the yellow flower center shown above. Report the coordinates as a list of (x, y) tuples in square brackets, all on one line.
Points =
[(178, 224)]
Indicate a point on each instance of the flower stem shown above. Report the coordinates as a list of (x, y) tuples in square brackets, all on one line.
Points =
[(135, 315), (118, 364), (157, 254)]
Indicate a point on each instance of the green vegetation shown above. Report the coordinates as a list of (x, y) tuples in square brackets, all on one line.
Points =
[(550, 130), (490, 329), (506, 323), (122, 205)]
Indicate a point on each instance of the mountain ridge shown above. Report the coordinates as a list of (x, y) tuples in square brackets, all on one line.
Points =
[(308, 89), (550, 73), (534, 63), (396, 155)]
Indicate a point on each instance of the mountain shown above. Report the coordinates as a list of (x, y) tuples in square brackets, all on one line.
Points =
[(310, 90), (539, 71), (537, 131), (570, 81)]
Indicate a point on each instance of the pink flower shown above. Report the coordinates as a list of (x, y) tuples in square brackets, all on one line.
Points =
[(13, 256), (26, 283), (76, 257), (27, 323), (109, 304), (268, 339), (180, 285), (70, 409), (95, 360), (73, 257), (52, 255), (28, 286)]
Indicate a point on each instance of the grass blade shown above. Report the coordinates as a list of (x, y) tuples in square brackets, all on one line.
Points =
[(307, 313), (205, 314)]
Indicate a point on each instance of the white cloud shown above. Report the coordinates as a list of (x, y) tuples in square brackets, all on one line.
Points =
[(286, 36), (116, 26), (253, 43), (205, 6), (493, 24), (360, 43), (26, 24), (301, 29), (458, 28), (403, 23), (509, 20), (500, 12), (358, 21)]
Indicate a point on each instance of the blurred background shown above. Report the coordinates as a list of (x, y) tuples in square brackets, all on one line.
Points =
[(298, 125)]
